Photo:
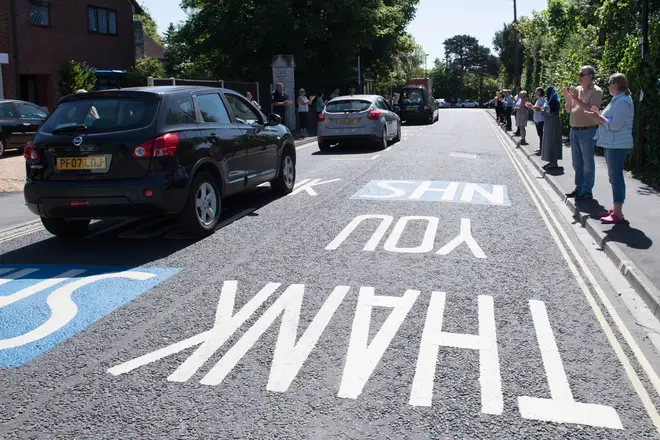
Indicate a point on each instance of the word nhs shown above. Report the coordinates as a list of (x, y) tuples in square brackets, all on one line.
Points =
[(362, 357), (434, 191)]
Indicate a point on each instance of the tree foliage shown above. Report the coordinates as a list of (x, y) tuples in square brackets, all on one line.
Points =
[(144, 68), (469, 71), (77, 75), (236, 39), (603, 33), (148, 25)]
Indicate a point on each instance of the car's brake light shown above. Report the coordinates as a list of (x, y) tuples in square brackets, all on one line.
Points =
[(321, 117), (30, 152), (426, 107), (162, 146), (374, 115)]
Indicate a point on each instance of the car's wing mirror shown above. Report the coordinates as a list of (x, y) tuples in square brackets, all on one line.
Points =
[(274, 119)]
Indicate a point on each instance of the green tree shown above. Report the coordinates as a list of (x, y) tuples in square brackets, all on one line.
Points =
[(466, 55), (77, 75), (144, 68), (240, 37), (148, 25)]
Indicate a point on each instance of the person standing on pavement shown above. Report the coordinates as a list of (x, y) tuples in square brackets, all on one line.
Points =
[(551, 149), (522, 116), (303, 111), (615, 136), (508, 109), (538, 117), (583, 130), (516, 103), (499, 107), (280, 102)]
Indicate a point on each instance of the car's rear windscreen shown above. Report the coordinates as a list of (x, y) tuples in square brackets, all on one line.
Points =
[(411, 97), (347, 105), (103, 115)]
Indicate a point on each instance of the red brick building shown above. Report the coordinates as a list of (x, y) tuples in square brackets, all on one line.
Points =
[(37, 36)]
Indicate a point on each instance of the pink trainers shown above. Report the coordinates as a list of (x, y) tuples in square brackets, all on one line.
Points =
[(605, 214), (612, 218)]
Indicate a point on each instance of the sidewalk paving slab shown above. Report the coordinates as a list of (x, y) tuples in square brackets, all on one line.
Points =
[(634, 246)]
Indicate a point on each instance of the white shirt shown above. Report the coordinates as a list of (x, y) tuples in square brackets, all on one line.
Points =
[(304, 106), (538, 116)]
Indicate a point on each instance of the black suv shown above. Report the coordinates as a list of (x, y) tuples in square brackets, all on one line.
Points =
[(19, 121), (152, 150), (417, 104)]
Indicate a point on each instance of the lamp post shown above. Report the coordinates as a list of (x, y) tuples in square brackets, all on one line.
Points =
[(426, 73)]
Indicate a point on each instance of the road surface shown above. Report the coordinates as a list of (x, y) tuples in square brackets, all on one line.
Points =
[(432, 290)]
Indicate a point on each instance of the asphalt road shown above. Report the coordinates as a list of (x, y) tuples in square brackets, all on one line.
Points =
[(450, 313)]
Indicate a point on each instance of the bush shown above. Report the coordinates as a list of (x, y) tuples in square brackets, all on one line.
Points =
[(144, 68), (77, 75)]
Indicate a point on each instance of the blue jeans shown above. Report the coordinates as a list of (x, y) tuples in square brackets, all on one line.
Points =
[(615, 159), (583, 148)]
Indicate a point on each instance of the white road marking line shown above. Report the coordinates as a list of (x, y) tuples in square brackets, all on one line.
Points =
[(463, 155), (22, 231), (549, 216)]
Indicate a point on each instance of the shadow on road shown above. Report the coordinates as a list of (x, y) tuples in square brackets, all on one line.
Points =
[(109, 248), (349, 148)]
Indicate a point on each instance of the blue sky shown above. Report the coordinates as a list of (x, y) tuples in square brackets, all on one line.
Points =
[(436, 20)]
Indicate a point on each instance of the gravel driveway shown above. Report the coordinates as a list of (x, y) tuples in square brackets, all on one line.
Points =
[(12, 172)]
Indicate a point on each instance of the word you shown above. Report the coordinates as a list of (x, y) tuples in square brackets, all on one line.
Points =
[(363, 357), (392, 242), (307, 185), (41, 306), (434, 191)]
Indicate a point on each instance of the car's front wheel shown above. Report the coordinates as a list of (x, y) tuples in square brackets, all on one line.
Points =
[(64, 228), (284, 183), (324, 146), (3, 146), (202, 210)]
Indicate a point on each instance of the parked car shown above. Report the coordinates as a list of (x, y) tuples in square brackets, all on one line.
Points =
[(358, 117), (417, 104), (468, 104), (19, 121), (153, 150), (441, 103)]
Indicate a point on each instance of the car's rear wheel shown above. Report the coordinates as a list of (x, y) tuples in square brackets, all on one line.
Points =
[(64, 228), (381, 143), (2, 146), (324, 146), (431, 119), (398, 134), (202, 210), (284, 183)]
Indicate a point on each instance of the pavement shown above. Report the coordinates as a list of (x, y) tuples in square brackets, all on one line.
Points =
[(633, 245), (424, 291)]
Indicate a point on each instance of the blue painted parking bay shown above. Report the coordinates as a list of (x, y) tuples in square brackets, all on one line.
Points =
[(43, 305), (435, 191)]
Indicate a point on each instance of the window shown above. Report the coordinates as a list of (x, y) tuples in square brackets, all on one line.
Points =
[(212, 108), (348, 105), (7, 111), (243, 111), (183, 112), (101, 21), (103, 115), (39, 14), (29, 111)]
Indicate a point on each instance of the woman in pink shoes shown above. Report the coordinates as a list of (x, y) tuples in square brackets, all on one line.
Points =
[(615, 126)]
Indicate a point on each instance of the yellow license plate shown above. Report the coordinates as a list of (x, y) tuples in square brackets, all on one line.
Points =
[(81, 163), (412, 109), (346, 121)]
